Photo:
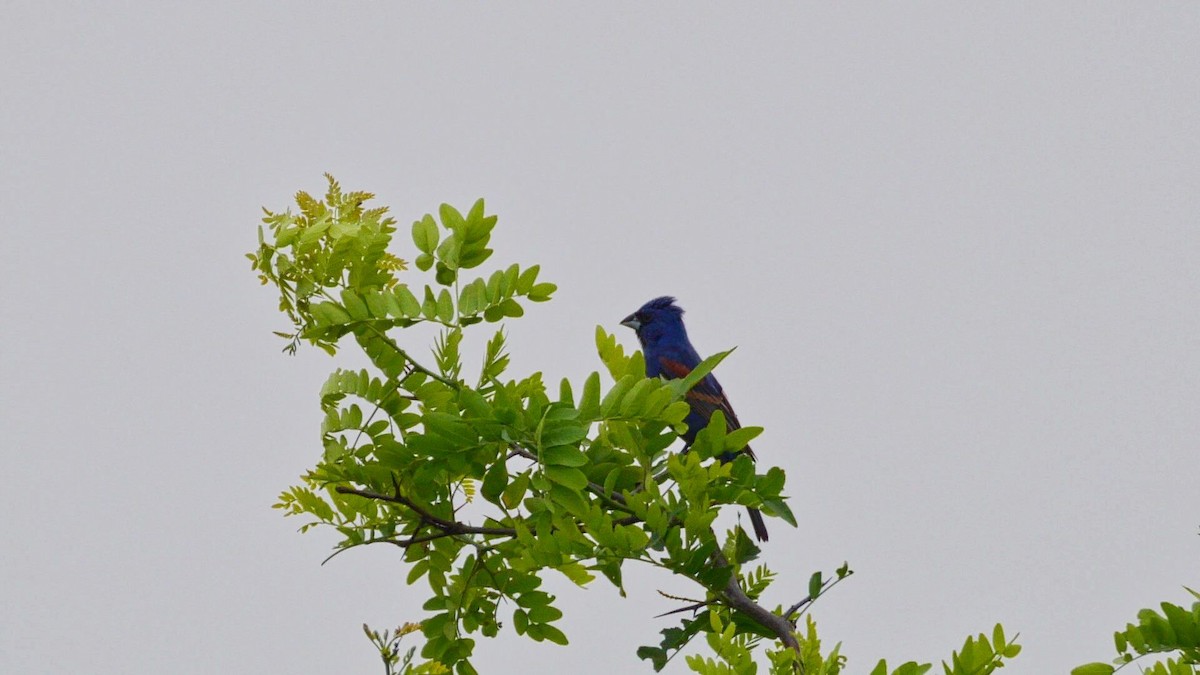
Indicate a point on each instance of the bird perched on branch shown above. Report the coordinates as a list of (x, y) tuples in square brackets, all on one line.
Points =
[(665, 345)]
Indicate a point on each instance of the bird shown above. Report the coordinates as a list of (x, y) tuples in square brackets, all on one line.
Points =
[(668, 353)]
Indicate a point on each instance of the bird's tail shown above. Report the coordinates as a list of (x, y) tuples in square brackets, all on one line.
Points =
[(760, 528)]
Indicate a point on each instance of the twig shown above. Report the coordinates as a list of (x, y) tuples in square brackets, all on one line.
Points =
[(448, 527), (692, 607), (411, 361), (811, 599)]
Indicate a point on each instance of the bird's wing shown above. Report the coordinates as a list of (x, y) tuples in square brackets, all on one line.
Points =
[(706, 396)]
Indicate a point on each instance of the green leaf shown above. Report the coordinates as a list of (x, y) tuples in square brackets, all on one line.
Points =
[(771, 484), (544, 614), (445, 275), (508, 280), (526, 279), (699, 372), (563, 434), (614, 395), (425, 235), (655, 655), (418, 570), (578, 575), (564, 455), (409, 305), (475, 215), (447, 252), (779, 508), (553, 634), (451, 218), (515, 492), (541, 292), (740, 438), (450, 427), (377, 303), (445, 307), (329, 314), (510, 307), (494, 482), (474, 256), (814, 584), (429, 305), (589, 402), (354, 305), (472, 401), (566, 476), (1093, 669), (469, 301), (633, 404), (610, 481), (1185, 626)]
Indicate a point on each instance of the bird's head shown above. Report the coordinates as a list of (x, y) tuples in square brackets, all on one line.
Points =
[(658, 318)]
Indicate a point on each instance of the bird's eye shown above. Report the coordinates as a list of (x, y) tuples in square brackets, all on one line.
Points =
[(643, 318)]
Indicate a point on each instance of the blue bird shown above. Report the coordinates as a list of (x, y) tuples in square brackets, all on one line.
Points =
[(669, 353)]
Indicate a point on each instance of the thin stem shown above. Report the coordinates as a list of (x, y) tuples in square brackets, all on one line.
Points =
[(392, 343), (811, 599), (448, 527), (412, 362)]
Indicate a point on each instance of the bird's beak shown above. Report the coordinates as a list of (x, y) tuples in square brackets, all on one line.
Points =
[(632, 322)]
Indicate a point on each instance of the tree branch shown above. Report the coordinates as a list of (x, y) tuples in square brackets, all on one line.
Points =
[(737, 599), (734, 596), (448, 527)]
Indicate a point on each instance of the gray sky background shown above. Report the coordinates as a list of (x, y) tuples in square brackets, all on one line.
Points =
[(956, 245)]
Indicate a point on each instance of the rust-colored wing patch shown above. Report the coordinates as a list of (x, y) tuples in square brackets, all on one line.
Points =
[(676, 369), (704, 398)]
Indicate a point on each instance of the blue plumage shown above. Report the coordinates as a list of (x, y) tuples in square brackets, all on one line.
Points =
[(669, 353)]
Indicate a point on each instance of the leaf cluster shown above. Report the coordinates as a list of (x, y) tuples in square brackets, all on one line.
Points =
[(977, 656), (335, 275), (1174, 631), (487, 482), (395, 662)]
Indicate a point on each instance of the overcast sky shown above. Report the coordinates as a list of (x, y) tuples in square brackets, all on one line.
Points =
[(956, 244)]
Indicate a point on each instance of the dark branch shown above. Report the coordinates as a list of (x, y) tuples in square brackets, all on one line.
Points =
[(448, 527), (736, 598), (690, 608), (405, 543), (733, 594), (796, 607)]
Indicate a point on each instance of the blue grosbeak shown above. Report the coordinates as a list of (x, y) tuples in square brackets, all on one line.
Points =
[(659, 327)]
